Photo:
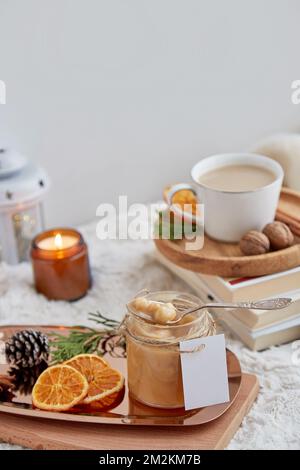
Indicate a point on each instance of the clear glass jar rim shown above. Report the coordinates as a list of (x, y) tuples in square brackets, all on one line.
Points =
[(205, 319), (210, 331)]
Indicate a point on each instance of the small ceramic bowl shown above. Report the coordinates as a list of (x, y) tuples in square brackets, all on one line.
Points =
[(230, 214)]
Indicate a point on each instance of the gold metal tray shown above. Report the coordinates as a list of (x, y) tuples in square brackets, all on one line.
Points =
[(122, 409)]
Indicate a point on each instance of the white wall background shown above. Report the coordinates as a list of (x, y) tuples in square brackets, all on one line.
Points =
[(123, 96)]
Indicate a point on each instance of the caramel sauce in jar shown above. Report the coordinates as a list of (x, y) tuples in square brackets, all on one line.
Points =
[(153, 357)]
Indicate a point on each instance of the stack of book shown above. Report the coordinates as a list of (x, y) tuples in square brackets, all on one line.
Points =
[(258, 329)]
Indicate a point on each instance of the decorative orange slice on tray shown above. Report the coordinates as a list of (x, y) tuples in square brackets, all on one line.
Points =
[(105, 404), (102, 379), (86, 364), (59, 388)]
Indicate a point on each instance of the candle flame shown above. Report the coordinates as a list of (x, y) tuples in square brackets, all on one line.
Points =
[(58, 242)]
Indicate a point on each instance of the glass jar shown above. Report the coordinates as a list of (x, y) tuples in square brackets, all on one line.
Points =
[(153, 356)]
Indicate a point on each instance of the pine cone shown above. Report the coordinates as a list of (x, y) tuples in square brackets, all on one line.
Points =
[(27, 348), (23, 379)]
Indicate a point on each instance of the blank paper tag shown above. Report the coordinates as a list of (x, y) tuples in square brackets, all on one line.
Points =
[(204, 372)]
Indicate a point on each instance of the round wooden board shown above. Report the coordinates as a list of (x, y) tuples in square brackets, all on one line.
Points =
[(226, 260)]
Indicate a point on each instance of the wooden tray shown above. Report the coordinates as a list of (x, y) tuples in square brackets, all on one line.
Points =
[(50, 434), (226, 259), (123, 410)]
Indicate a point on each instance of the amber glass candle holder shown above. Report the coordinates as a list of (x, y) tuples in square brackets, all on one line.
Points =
[(61, 264)]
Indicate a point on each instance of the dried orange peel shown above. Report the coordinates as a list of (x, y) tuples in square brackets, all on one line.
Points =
[(103, 380), (59, 388), (185, 198)]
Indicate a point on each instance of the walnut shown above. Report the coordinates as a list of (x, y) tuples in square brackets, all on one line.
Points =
[(279, 235), (254, 243)]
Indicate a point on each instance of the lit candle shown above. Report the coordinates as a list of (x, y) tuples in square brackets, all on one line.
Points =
[(57, 242), (61, 264)]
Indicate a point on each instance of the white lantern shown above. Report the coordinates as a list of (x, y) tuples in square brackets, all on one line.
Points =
[(22, 188)]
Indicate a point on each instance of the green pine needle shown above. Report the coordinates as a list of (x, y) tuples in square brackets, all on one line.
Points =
[(82, 340)]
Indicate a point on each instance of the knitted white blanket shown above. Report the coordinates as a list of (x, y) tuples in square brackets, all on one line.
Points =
[(120, 269)]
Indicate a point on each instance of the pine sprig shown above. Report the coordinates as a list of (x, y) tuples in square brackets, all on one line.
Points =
[(98, 317), (82, 340), (77, 342)]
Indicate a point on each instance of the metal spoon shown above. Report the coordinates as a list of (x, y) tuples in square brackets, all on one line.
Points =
[(269, 304)]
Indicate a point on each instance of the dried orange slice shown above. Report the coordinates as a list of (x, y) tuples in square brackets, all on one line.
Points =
[(108, 402), (87, 364), (105, 404), (59, 388), (185, 198), (102, 379)]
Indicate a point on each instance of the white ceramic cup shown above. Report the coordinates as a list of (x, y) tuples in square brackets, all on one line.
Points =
[(230, 214)]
